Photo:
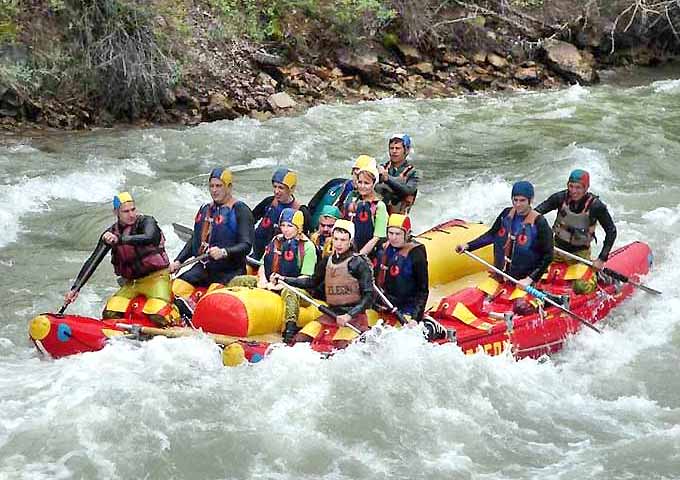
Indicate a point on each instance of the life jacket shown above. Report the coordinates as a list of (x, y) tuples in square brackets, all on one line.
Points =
[(341, 288), (401, 205), (284, 256), (394, 275), (268, 226), (514, 251), (577, 229), (362, 214), (136, 261), (324, 245), (215, 226)]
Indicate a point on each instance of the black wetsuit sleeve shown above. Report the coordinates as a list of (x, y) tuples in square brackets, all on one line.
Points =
[(310, 282), (421, 279), (487, 238), (186, 252), (599, 212), (261, 208), (553, 202), (245, 236), (360, 269), (544, 245), (150, 233), (401, 188), (91, 264), (307, 227)]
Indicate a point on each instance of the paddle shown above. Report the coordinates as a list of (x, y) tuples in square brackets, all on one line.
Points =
[(322, 308), (185, 332), (612, 273), (533, 291), (185, 234), (84, 275), (392, 309)]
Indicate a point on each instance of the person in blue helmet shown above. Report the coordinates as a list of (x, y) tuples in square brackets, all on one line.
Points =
[(268, 211), (224, 230), (289, 253), (398, 182), (521, 237)]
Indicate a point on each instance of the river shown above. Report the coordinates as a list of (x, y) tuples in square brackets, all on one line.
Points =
[(606, 407)]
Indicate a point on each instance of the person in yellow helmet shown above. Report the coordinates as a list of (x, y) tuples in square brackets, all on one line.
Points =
[(348, 282), (366, 210), (268, 211), (289, 253), (223, 229), (398, 183), (138, 256)]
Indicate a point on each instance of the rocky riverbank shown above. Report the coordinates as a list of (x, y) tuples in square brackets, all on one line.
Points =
[(227, 78)]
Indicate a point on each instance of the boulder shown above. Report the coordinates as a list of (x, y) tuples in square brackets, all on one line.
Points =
[(574, 65), (527, 75), (424, 68), (281, 100), (362, 61), (497, 61), (411, 54)]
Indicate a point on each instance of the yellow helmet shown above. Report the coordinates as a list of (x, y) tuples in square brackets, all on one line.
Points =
[(345, 225), (222, 174), (292, 216), (285, 176), (121, 198), (370, 167), (398, 220), (363, 161)]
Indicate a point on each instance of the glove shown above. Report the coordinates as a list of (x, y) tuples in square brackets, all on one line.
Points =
[(289, 332)]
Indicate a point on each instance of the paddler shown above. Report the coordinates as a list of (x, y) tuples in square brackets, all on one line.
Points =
[(348, 282), (138, 256), (398, 183), (224, 230), (521, 238), (400, 266), (366, 211), (578, 212), (322, 238), (290, 253), (268, 211)]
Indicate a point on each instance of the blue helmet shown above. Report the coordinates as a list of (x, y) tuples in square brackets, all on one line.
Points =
[(523, 189), (405, 139)]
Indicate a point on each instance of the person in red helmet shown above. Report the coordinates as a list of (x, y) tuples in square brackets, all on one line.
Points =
[(578, 213)]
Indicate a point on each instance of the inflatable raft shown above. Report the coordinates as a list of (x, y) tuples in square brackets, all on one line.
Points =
[(245, 314)]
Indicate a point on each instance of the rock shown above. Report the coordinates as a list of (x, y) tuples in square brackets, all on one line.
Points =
[(281, 100), (266, 79), (497, 61), (424, 68), (220, 107), (527, 75), (411, 54), (454, 59), (265, 58), (362, 61), (479, 57), (574, 65), (260, 116), (184, 98)]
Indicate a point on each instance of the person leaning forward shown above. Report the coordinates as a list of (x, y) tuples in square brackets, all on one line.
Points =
[(224, 230), (348, 280), (578, 212), (138, 256), (521, 238)]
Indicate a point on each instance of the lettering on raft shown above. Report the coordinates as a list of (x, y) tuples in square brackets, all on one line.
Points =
[(495, 348)]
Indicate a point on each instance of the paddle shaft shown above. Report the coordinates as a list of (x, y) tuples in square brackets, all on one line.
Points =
[(177, 333), (84, 276), (390, 305), (533, 291), (322, 308), (612, 273)]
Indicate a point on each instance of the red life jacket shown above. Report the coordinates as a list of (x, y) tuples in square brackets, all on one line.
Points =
[(137, 261)]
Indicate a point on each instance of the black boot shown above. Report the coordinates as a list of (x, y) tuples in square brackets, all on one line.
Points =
[(433, 329), (290, 331), (186, 310)]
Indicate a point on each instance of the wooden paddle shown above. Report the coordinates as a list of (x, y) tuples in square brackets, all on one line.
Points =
[(608, 271), (176, 332), (533, 291)]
